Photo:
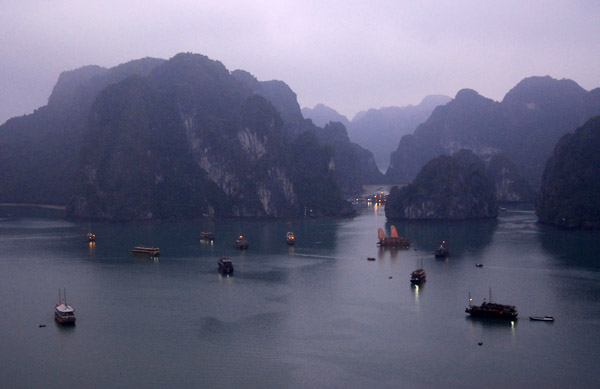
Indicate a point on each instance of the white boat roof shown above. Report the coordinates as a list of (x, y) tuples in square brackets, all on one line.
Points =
[(64, 308)]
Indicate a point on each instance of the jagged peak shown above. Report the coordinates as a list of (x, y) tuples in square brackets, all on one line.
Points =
[(531, 88)]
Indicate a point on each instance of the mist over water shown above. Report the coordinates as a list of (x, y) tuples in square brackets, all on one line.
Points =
[(313, 315)]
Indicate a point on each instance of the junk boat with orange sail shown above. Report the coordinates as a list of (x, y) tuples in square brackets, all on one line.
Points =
[(394, 240)]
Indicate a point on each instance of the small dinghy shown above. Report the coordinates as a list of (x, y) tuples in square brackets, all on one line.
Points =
[(541, 318)]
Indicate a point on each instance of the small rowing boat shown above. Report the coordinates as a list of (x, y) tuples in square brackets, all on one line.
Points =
[(542, 318)]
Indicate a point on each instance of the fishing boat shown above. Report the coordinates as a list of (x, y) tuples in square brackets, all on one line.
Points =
[(241, 243), (91, 237), (63, 312), (491, 309), (225, 266), (370, 258), (393, 241), (290, 238), (145, 250), (208, 236), (417, 277), (442, 251), (541, 318)]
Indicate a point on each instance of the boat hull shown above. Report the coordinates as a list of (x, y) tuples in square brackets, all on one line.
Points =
[(541, 318), (146, 251), (64, 319), (504, 315)]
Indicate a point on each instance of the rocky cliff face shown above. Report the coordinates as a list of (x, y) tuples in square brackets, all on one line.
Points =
[(39, 152), (189, 140), (352, 165), (570, 192), (509, 185), (524, 127), (448, 187)]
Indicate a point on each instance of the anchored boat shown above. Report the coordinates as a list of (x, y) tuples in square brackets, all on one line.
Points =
[(394, 240), (225, 266), (442, 251), (491, 309), (63, 312), (541, 318), (241, 243), (144, 250), (208, 236), (290, 238)]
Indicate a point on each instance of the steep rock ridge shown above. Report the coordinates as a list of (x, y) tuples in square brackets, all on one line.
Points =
[(352, 166), (189, 141), (524, 126), (509, 185), (570, 192), (38, 152), (448, 187), (283, 99)]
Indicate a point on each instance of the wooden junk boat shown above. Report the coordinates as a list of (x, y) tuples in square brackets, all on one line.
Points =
[(442, 251), (418, 276), (241, 243), (144, 250), (225, 266), (290, 238), (208, 236), (490, 309), (393, 241), (63, 312)]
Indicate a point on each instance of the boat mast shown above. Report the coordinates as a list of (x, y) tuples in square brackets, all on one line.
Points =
[(470, 299), (490, 294)]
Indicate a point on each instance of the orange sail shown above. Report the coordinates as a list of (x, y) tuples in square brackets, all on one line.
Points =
[(380, 233), (393, 232)]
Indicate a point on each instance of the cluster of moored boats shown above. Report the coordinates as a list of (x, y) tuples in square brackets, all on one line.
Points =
[(65, 314), (418, 277)]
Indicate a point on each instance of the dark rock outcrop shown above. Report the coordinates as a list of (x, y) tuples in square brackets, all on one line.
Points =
[(509, 185), (39, 152), (352, 165), (448, 187), (189, 140), (570, 192), (524, 126)]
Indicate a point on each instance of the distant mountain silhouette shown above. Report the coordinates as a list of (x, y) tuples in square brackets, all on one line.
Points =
[(524, 127), (570, 192), (379, 130), (321, 115)]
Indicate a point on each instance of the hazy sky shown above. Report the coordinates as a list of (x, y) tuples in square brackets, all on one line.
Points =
[(349, 55)]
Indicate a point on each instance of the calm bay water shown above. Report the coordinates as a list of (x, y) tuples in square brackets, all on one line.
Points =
[(315, 315)]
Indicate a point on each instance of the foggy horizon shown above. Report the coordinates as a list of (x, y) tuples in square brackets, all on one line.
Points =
[(346, 55)]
